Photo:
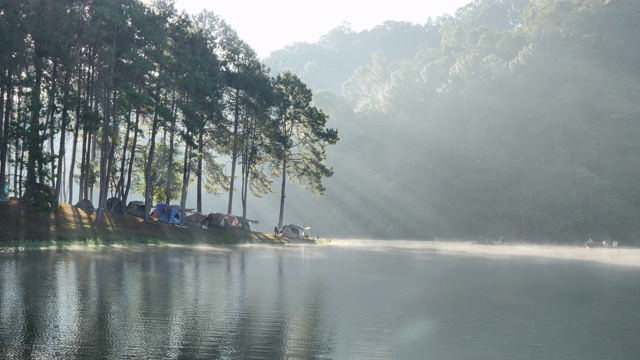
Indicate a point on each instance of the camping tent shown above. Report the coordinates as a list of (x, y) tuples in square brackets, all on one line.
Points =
[(114, 204), (247, 223), (170, 214), (157, 210), (230, 221), (135, 208), (196, 219), (224, 220), (85, 204), (292, 231)]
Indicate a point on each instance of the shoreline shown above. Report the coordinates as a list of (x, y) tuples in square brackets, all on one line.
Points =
[(22, 226)]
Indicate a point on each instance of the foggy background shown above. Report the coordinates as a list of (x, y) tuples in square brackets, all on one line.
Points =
[(509, 118)]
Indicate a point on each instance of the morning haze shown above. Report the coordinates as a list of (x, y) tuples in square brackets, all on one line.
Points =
[(505, 118), (510, 126), (510, 118)]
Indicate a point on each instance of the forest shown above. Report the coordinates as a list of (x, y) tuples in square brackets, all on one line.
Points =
[(102, 98), (514, 118), (511, 118)]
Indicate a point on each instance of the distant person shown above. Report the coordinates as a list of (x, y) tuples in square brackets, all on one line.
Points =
[(615, 243), (276, 230)]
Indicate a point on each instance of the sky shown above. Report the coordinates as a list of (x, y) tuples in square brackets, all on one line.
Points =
[(269, 25)]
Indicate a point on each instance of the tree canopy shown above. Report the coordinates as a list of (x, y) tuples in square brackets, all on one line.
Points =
[(124, 97)]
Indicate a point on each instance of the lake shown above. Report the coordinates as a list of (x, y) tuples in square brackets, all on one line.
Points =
[(344, 300)]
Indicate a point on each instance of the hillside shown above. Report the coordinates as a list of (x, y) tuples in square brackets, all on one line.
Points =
[(20, 224), (512, 118)]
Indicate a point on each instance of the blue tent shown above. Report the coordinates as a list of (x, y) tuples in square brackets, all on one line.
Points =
[(4, 194), (157, 210), (170, 214), (114, 204)]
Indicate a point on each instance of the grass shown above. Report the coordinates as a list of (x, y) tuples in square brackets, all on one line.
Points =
[(23, 227)]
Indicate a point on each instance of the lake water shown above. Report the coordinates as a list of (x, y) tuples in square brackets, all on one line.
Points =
[(344, 300)]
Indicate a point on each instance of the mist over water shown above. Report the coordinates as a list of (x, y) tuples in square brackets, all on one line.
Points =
[(620, 256), (348, 299)]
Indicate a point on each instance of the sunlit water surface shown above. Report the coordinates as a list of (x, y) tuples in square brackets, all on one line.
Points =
[(344, 300)]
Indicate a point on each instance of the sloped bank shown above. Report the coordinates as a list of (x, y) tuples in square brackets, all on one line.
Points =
[(22, 225)]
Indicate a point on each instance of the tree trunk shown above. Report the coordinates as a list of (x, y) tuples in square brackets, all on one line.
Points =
[(282, 192), (76, 130), (51, 119), (81, 179), (87, 160), (234, 151), (246, 165), (21, 162), (106, 157), (248, 145), (63, 132), (147, 172), (125, 145), (171, 150), (186, 172), (34, 146), (18, 163), (245, 190), (92, 156), (91, 141), (199, 185), (3, 137), (64, 176), (4, 145), (105, 154), (125, 195)]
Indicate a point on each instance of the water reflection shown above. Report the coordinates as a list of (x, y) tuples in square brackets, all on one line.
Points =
[(167, 302), (312, 302)]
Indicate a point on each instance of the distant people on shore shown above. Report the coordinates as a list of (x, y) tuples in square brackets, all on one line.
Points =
[(605, 243), (488, 241)]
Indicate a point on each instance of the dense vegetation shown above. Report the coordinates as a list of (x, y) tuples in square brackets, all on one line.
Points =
[(117, 97), (512, 118)]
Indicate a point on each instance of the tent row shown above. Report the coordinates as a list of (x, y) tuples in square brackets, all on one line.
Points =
[(219, 220), (171, 214)]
